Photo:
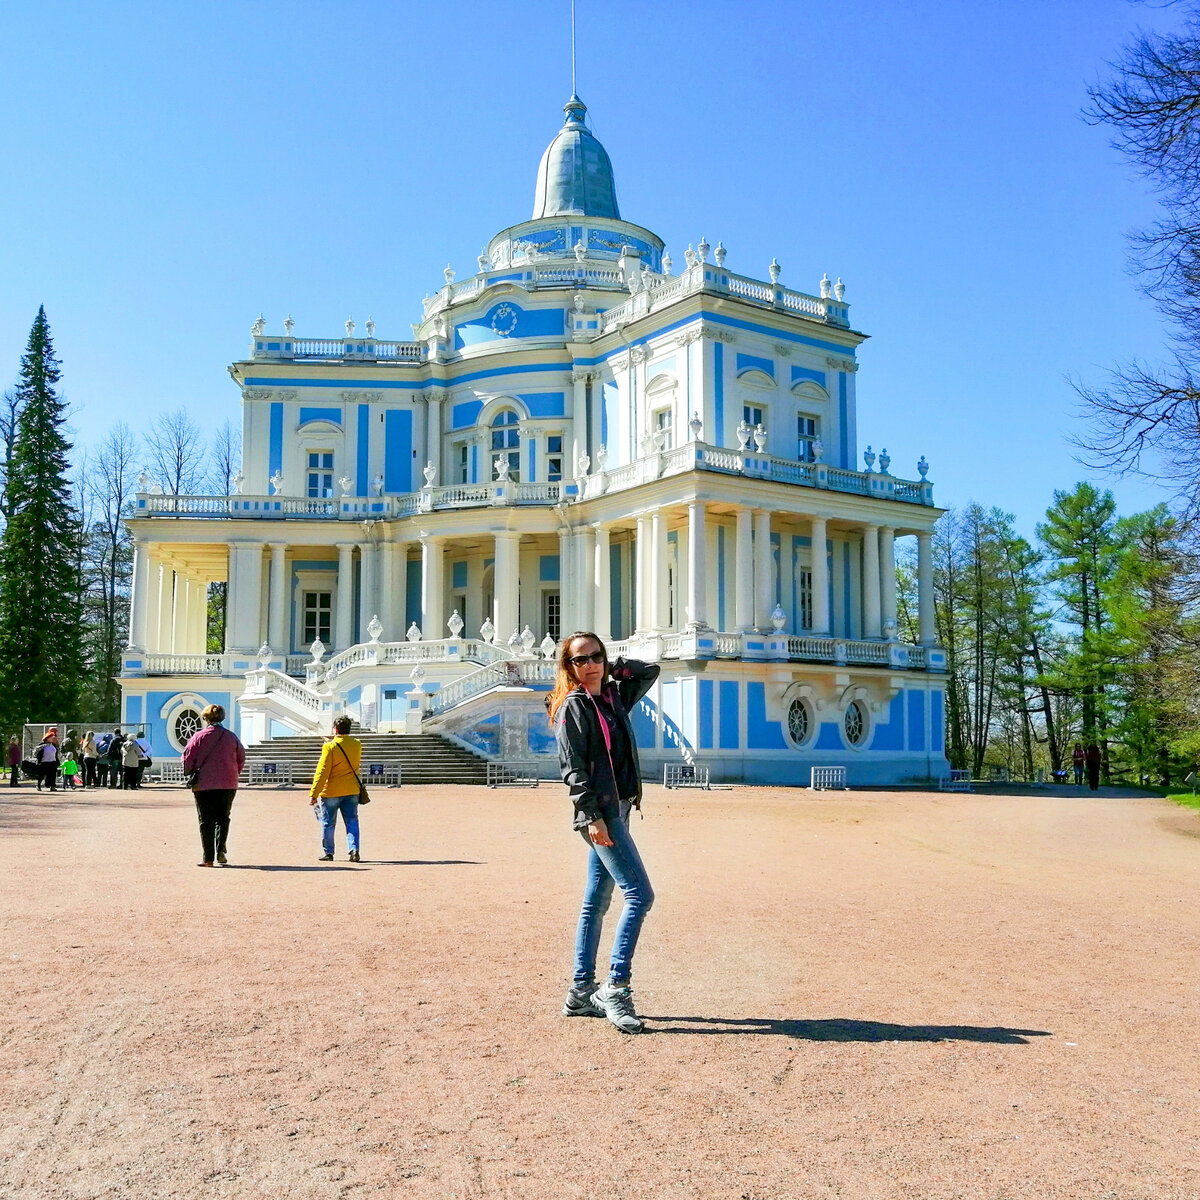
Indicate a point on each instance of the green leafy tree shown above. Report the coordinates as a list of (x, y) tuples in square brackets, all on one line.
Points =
[(40, 617), (1080, 536)]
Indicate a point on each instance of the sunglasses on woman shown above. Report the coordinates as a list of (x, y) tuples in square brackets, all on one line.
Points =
[(581, 660)]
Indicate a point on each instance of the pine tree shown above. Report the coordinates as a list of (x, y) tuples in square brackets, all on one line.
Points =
[(40, 621)]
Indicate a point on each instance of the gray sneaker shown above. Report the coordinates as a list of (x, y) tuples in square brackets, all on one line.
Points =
[(579, 1002), (617, 1005)]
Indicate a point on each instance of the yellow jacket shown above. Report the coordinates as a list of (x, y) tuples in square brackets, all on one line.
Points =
[(334, 776)]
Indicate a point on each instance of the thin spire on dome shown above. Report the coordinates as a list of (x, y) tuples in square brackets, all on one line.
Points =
[(574, 89)]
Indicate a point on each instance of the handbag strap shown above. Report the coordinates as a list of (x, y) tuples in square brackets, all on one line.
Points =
[(607, 739), (349, 764)]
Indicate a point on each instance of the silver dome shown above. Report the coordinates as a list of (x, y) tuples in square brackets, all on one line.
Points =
[(575, 177)]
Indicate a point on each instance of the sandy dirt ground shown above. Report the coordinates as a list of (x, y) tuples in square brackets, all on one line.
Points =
[(859, 995)]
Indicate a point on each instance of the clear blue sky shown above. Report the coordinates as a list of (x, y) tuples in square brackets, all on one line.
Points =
[(172, 170)]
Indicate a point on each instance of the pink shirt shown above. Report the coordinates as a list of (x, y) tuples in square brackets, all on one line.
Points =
[(219, 756)]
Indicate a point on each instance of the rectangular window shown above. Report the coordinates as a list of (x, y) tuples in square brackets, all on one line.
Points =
[(554, 460), (464, 460), (552, 615), (318, 617), (320, 475), (753, 416), (804, 595), (662, 425), (806, 434)]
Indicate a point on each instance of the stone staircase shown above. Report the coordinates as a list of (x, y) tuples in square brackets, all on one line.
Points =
[(422, 758)]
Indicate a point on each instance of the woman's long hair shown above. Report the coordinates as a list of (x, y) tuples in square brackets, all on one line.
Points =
[(565, 681)]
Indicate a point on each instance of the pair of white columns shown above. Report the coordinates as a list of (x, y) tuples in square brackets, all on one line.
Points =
[(585, 579), (754, 587), (879, 583), (168, 610)]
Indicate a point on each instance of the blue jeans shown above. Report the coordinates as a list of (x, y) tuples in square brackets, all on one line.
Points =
[(349, 810), (618, 864)]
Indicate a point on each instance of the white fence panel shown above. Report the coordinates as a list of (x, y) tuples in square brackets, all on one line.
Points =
[(825, 778), (685, 775), (512, 774)]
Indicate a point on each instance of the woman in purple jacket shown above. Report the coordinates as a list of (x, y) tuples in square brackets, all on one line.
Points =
[(217, 757)]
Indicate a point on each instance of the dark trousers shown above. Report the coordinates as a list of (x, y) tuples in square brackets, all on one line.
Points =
[(15, 777), (131, 777), (114, 774), (1094, 776), (48, 774), (89, 772), (212, 807), (101, 773)]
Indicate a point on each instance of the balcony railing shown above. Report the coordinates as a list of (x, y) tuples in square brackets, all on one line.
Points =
[(355, 349), (693, 456)]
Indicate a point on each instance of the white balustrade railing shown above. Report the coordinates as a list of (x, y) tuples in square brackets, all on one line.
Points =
[(263, 681), (847, 481), (867, 652), (917, 656), (517, 672), (727, 645), (337, 348), (822, 649), (184, 664)]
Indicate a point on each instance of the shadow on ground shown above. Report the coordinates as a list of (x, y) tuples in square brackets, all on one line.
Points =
[(34, 811), (845, 1030)]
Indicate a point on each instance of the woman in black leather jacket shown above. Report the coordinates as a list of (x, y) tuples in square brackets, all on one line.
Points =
[(589, 708)]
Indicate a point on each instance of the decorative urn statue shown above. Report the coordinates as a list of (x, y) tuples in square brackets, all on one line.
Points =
[(694, 427), (277, 483), (414, 632), (527, 639), (430, 473), (514, 642), (238, 480), (601, 456), (702, 249), (501, 461), (487, 630), (922, 467), (377, 485), (869, 459), (370, 328), (778, 618), (760, 438), (719, 254), (774, 270), (818, 449), (289, 325), (349, 326), (264, 655), (374, 629), (885, 461), (455, 624), (345, 483), (826, 287), (580, 251), (317, 650), (839, 289), (744, 431), (548, 646), (667, 264), (260, 326), (417, 675)]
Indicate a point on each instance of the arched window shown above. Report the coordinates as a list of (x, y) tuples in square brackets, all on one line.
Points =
[(506, 441)]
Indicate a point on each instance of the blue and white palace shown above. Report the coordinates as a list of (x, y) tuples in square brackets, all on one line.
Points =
[(581, 435)]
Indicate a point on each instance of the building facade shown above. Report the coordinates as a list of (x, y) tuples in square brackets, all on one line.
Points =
[(578, 436)]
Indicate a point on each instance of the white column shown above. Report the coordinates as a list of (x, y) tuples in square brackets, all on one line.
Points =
[(139, 596), (660, 600), (585, 577), (744, 581), (820, 578), (160, 608), (198, 610), (343, 617), (887, 578), (244, 614), (568, 609), (392, 632), (872, 621), (579, 382), (368, 598), (642, 580), (277, 604), (602, 591), (433, 437), (179, 615), (508, 546), (697, 555), (764, 570), (231, 593), (433, 600), (928, 625)]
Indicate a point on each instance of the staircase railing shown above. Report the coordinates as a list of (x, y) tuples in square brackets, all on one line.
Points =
[(512, 673)]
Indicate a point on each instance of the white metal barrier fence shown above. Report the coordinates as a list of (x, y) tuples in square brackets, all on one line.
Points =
[(825, 778), (956, 781), (512, 774), (685, 775), (383, 774)]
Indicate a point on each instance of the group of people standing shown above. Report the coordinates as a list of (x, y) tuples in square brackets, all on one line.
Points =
[(110, 760)]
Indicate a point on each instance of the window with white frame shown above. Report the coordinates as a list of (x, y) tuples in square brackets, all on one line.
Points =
[(554, 459), (662, 427), (463, 462), (806, 435), (318, 617), (753, 415), (506, 441), (804, 597), (320, 474)]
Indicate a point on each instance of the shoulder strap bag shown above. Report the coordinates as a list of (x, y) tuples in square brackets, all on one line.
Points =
[(364, 797)]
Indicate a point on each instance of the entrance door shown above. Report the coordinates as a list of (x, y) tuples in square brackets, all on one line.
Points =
[(552, 614)]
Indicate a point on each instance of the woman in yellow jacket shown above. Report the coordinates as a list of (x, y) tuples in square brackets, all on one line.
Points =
[(335, 788)]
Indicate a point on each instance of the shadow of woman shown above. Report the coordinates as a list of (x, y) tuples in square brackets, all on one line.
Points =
[(843, 1029)]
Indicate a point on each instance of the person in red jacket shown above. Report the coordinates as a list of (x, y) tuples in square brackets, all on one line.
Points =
[(1077, 761), (217, 757)]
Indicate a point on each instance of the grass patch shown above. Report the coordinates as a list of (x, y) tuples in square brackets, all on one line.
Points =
[(1183, 796)]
